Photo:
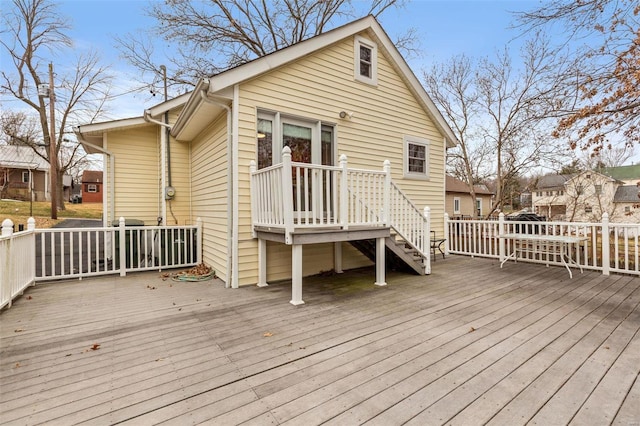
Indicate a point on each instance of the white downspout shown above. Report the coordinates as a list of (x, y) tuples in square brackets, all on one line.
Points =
[(163, 162), (231, 247), (107, 219)]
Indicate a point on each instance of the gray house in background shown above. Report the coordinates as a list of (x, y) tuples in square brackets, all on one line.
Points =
[(24, 175)]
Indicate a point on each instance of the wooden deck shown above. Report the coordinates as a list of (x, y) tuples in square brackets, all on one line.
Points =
[(470, 344)]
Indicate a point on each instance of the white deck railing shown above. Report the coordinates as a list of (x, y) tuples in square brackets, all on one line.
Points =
[(608, 247), (295, 195), (62, 253), (17, 261)]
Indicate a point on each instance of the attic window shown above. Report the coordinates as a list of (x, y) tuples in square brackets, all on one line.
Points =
[(365, 61)]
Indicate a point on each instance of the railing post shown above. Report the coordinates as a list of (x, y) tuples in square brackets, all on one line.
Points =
[(199, 240), (501, 241), (254, 196), (447, 234), (287, 194), (7, 228), (344, 193), (31, 224), (426, 240), (606, 248), (123, 247), (386, 193)]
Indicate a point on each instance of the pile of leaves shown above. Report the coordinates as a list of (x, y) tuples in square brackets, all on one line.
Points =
[(199, 272)]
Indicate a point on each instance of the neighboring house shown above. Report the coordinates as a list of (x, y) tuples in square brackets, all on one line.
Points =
[(548, 197), (92, 186), (459, 203), (345, 92), (24, 175), (589, 194), (585, 196)]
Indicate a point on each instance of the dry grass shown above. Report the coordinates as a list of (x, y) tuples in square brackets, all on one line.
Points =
[(20, 211)]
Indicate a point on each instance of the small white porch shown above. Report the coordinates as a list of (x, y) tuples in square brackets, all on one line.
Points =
[(300, 203)]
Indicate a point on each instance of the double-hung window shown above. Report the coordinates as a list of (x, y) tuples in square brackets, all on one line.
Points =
[(25, 177), (365, 60), (416, 157)]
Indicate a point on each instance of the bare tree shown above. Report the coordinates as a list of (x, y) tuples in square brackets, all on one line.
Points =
[(606, 86), (36, 32), (501, 115), (206, 37)]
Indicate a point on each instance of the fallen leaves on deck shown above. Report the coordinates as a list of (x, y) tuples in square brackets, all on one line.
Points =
[(267, 334), (95, 346)]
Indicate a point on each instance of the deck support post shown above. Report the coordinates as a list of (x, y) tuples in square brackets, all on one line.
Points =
[(262, 263), (380, 262), (337, 257), (296, 274)]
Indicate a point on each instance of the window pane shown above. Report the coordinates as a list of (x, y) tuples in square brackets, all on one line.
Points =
[(298, 139), (327, 145), (265, 143), (365, 62)]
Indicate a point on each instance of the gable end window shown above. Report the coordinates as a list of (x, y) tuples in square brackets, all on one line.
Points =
[(365, 61), (416, 157)]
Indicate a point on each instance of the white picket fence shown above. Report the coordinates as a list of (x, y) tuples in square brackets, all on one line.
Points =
[(608, 247), (37, 255), (17, 261)]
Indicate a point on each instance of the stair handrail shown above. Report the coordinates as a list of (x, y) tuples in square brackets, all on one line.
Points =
[(417, 236)]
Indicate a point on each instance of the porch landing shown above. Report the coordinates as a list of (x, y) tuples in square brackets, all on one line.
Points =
[(469, 344)]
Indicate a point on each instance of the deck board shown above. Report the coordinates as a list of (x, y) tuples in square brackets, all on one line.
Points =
[(470, 344)]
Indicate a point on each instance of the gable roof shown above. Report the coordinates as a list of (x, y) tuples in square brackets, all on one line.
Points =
[(456, 185), (553, 181), (91, 176), (198, 111), (21, 157), (627, 194), (622, 172)]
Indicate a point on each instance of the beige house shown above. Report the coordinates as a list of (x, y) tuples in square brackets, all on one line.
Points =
[(319, 119), (590, 194), (459, 203)]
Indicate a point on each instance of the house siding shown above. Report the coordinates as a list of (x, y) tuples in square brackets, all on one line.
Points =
[(209, 193), (137, 177), (318, 87)]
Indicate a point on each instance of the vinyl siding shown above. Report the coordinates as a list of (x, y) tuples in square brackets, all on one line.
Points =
[(137, 177), (209, 193), (319, 87)]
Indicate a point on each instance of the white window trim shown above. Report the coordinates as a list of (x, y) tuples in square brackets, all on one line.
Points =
[(456, 203), (415, 141), (25, 176), (92, 187), (479, 206), (361, 41)]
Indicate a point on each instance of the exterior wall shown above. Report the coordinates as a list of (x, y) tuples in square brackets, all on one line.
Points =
[(16, 189), (467, 208), (318, 87), (209, 193), (137, 175), (92, 197), (579, 202), (178, 175)]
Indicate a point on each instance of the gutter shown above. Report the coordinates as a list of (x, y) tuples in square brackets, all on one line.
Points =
[(232, 275)]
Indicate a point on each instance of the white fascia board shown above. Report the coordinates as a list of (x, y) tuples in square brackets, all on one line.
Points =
[(109, 125), (161, 108)]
